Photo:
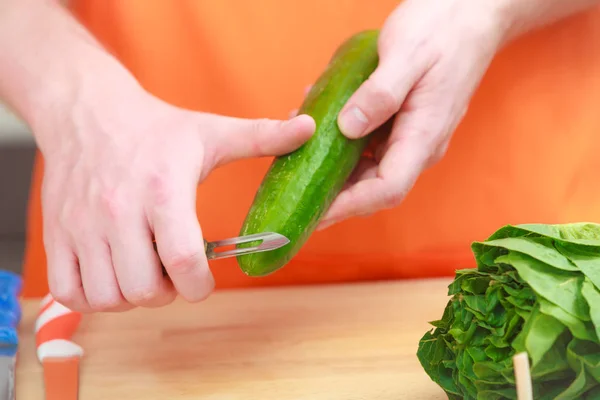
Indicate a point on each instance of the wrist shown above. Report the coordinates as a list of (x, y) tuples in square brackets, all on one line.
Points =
[(511, 20), (497, 18), (73, 90), (487, 22), (517, 17), (54, 67)]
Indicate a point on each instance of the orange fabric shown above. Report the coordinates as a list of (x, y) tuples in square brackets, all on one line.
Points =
[(525, 152)]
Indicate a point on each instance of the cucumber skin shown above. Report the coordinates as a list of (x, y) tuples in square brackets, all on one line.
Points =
[(299, 187)]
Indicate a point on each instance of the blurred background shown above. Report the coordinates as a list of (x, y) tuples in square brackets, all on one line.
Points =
[(17, 151)]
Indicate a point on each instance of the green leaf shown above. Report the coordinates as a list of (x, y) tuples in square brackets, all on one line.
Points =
[(554, 364), (586, 260), (592, 296), (543, 332), (593, 394), (586, 354), (581, 355), (586, 234), (431, 352), (578, 328), (559, 287), (541, 249)]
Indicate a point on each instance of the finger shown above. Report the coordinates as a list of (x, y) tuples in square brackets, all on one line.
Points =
[(64, 279), (98, 277), (293, 113), (378, 98), (137, 266), (366, 169), (375, 193), (378, 140), (180, 244), (235, 138), (398, 171), (420, 134)]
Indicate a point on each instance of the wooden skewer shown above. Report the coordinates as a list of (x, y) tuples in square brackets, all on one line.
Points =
[(523, 376)]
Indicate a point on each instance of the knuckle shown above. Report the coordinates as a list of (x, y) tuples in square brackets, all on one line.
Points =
[(438, 155), (105, 302), (71, 214), (65, 295), (385, 42), (183, 262), (393, 198), (112, 204), (141, 295), (382, 98), (257, 132), (160, 188), (161, 299), (427, 138), (261, 124), (167, 299)]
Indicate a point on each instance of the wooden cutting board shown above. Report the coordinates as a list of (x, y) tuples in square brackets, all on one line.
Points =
[(346, 342)]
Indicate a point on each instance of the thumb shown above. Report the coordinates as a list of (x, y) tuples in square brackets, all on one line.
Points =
[(378, 99), (237, 138)]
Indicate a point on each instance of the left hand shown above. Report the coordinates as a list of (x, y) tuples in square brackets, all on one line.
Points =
[(433, 54)]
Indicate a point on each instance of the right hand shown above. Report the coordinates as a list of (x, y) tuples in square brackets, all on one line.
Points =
[(125, 172)]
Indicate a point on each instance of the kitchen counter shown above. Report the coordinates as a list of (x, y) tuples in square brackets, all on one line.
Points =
[(350, 342)]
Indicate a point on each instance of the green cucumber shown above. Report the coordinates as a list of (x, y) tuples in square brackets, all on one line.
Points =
[(299, 187)]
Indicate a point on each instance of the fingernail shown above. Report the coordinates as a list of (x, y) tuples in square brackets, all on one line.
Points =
[(353, 122)]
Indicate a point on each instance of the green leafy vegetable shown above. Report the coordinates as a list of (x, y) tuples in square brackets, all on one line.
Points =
[(536, 289)]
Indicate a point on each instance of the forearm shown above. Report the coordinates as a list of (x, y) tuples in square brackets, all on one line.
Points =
[(49, 62), (522, 16)]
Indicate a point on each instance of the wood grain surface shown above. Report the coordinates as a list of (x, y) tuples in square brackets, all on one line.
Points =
[(350, 342)]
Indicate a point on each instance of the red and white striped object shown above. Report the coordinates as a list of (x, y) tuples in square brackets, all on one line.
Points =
[(54, 327)]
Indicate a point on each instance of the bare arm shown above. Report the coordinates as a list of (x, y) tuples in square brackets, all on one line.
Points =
[(521, 16), (48, 61)]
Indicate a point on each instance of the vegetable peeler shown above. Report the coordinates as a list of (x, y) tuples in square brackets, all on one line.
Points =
[(268, 241)]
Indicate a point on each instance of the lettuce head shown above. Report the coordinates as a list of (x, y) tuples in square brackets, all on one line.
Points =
[(536, 289)]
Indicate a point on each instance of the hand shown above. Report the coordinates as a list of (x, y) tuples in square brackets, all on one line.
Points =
[(124, 173), (433, 54)]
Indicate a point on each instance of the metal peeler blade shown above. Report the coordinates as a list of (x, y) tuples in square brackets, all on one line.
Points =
[(269, 241)]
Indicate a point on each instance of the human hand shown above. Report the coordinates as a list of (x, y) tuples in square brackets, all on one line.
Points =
[(125, 172), (433, 54)]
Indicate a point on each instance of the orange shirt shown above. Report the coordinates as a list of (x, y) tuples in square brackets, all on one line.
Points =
[(526, 151)]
